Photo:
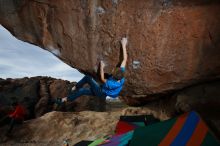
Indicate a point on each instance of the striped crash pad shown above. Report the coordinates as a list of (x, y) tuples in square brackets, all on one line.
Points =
[(188, 129), (129, 123), (125, 128)]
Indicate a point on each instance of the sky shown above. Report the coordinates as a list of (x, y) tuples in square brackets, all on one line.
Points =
[(20, 59)]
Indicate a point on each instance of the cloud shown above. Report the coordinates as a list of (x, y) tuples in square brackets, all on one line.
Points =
[(20, 59)]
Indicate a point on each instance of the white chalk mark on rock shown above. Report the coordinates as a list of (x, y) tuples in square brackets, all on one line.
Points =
[(100, 10), (56, 52), (136, 64)]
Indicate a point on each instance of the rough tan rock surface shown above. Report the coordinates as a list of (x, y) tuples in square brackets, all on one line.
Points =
[(172, 43)]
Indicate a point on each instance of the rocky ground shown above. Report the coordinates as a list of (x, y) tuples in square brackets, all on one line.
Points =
[(55, 127)]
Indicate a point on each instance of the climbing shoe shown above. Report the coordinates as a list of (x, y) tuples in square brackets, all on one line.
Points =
[(58, 101)]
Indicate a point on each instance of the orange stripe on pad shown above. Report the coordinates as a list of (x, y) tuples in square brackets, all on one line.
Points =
[(174, 131), (198, 135)]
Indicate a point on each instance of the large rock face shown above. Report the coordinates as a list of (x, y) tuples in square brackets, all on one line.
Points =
[(172, 44)]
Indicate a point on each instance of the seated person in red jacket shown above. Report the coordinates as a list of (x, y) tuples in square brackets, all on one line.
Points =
[(16, 116)]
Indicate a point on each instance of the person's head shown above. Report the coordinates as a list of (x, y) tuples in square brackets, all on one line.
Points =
[(14, 103), (118, 74)]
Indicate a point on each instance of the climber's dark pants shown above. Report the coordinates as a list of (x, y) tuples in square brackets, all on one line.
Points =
[(94, 89)]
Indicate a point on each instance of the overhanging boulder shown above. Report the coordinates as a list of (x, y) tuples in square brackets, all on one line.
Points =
[(172, 44)]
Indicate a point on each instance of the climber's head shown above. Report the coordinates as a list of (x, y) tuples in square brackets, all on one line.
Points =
[(118, 74)]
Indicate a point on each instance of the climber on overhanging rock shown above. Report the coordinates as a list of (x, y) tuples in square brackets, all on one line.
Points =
[(111, 86)]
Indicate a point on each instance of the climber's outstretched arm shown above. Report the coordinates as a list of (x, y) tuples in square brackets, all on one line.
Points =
[(125, 55), (102, 65)]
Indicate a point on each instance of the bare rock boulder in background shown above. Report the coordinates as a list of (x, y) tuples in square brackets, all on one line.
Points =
[(37, 94)]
